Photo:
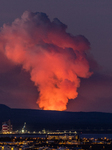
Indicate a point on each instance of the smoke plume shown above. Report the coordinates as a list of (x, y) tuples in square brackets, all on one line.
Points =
[(55, 59)]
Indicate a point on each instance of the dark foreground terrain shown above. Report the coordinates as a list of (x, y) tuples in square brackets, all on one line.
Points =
[(55, 120)]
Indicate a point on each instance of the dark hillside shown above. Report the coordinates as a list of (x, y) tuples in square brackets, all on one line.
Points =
[(53, 120)]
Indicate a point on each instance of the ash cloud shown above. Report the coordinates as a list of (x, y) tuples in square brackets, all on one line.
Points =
[(54, 58)]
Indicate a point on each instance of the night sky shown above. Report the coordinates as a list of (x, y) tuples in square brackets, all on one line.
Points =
[(93, 19)]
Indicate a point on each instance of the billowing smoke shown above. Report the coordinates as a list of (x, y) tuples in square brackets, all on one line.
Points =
[(54, 58)]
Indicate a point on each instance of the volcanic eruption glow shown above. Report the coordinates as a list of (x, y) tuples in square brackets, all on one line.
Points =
[(54, 58)]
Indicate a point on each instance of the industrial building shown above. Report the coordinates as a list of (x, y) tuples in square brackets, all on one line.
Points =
[(6, 127)]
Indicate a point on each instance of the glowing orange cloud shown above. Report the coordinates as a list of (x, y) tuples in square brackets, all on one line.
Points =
[(54, 58)]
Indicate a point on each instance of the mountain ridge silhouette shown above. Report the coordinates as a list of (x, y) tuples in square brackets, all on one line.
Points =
[(54, 120)]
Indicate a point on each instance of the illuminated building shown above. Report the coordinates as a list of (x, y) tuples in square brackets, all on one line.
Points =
[(5, 128)]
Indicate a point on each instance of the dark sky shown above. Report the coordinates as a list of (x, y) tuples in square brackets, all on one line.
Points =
[(93, 19)]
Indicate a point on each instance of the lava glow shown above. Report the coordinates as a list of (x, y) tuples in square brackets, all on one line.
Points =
[(54, 58)]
